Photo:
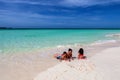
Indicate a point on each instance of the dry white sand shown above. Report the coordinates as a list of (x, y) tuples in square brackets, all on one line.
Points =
[(108, 62), (102, 66)]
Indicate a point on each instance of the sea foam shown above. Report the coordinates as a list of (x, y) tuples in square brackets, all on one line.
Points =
[(99, 42), (113, 35)]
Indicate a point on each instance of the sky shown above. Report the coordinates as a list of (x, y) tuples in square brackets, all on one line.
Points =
[(60, 13)]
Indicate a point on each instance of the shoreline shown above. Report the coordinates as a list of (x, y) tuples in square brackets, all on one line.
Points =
[(33, 41)]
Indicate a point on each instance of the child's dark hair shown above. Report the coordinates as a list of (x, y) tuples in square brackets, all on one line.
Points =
[(70, 49), (81, 51), (64, 52)]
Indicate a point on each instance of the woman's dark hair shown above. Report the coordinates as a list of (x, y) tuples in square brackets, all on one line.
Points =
[(70, 49), (81, 51)]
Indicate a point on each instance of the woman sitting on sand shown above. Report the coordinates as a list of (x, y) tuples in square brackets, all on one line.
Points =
[(81, 54), (62, 56)]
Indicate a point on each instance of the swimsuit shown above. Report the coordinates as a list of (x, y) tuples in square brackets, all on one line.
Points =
[(58, 57)]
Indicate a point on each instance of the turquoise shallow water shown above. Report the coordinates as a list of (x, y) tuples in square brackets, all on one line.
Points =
[(12, 41)]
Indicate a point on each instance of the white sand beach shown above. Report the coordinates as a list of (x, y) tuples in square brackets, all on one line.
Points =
[(103, 63), (102, 66), (108, 62)]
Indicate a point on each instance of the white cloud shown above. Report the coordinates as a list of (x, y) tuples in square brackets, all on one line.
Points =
[(30, 19), (27, 2), (85, 3), (69, 3), (29, 15)]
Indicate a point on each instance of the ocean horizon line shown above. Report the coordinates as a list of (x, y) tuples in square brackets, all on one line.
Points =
[(10, 28)]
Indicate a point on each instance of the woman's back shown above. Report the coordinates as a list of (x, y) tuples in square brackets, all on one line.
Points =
[(81, 54)]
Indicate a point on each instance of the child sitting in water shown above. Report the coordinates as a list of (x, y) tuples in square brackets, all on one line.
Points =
[(81, 54)]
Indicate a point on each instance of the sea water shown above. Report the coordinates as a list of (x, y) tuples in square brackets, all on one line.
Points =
[(18, 41)]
